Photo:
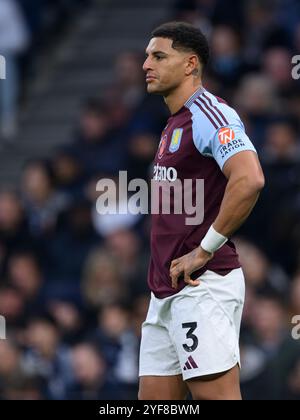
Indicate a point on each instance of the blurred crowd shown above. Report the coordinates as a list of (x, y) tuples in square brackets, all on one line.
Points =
[(73, 283), (29, 29)]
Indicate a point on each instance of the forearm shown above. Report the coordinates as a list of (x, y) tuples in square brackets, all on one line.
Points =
[(239, 199), (245, 181)]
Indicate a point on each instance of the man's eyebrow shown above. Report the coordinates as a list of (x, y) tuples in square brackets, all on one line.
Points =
[(156, 52)]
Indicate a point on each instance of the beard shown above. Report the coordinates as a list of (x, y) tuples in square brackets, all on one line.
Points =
[(157, 89)]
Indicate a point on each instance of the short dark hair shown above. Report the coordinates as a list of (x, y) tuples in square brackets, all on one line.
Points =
[(185, 37)]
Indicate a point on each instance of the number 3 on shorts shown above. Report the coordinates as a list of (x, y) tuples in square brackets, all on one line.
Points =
[(189, 335)]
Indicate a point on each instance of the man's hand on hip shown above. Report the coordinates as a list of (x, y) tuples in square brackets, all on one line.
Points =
[(187, 264)]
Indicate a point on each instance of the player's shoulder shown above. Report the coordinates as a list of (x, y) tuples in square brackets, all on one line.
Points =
[(209, 113)]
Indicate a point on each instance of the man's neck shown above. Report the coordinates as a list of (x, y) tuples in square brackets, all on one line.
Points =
[(177, 98)]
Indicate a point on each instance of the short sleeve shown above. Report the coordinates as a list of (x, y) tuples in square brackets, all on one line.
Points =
[(228, 141), (223, 141)]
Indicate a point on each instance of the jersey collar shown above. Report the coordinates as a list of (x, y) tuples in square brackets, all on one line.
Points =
[(195, 95)]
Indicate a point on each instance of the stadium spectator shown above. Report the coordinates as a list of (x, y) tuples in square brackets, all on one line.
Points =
[(14, 39)]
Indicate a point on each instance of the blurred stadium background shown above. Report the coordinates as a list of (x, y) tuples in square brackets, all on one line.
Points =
[(73, 110)]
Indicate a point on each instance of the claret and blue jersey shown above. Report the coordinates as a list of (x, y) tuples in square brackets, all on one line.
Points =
[(195, 144)]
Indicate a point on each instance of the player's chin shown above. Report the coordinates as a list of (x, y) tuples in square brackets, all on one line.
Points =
[(153, 88)]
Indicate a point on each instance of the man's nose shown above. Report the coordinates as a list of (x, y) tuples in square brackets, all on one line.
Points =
[(146, 65)]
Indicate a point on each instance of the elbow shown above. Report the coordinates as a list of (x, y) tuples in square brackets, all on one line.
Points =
[(256, 183), (260, 183)]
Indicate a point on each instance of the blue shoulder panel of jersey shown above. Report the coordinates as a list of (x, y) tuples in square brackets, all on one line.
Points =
[(218, 131)]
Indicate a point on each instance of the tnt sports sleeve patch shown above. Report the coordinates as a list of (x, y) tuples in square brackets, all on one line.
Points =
[(228, 141)]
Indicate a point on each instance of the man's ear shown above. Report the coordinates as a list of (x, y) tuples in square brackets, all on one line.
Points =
[(193, 66)]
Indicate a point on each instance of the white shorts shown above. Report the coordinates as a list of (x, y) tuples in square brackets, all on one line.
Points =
[(195, 332)]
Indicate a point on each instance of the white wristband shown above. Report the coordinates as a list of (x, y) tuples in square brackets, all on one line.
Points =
[(213, 240)]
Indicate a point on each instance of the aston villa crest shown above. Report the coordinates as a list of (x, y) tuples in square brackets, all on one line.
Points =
[(176, 140)]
